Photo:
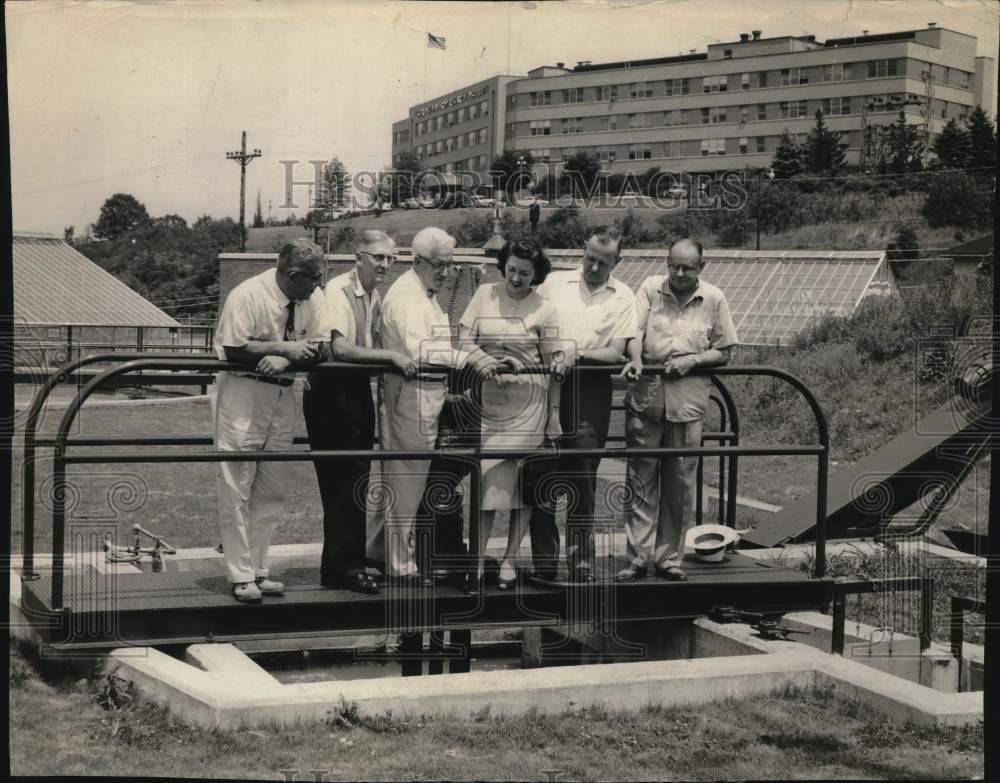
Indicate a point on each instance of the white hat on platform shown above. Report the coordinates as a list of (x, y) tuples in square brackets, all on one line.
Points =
[(709, 542)]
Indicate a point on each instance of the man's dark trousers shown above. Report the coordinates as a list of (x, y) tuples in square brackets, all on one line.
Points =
[(584, 414), (439, 543), (340, 416)]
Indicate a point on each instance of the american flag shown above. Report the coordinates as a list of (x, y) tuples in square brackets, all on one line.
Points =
[(435, 42)]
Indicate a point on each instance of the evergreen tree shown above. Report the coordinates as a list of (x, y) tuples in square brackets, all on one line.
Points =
[(982, 139), (405, 178), (905, 147), (336, 186), (788, 158), (953, 146), (824, 152), (258, 215)]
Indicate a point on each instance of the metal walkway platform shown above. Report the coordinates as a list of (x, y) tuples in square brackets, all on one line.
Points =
[(105, 610)]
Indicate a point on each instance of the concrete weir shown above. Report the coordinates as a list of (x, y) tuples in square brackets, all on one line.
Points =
[(218, 685)]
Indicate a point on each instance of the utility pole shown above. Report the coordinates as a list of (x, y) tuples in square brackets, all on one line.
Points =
[(243, 159)]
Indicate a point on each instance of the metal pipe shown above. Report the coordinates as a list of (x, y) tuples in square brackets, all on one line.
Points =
[(499, 454)]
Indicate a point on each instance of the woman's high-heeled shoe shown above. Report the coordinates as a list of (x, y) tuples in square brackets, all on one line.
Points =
[(507, 584)]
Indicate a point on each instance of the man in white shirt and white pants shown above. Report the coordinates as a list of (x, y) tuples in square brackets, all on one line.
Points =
[(271, 322), (413, 324)]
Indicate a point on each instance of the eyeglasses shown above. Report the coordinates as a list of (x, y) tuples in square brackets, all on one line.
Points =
[(688, 270), (379, 258), (316, 278), (438, 265)]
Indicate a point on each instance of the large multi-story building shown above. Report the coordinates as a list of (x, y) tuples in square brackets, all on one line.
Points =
[(683, 113)]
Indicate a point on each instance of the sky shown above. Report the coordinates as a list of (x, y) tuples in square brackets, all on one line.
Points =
[(148, 97)]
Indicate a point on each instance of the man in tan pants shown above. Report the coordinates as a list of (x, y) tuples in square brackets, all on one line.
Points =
[(683, 323)]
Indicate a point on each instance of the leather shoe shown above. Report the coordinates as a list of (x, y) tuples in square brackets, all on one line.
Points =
[(269, 586), (246, 593), (416, 580), (671, 573), (357, 580), (631, 573), (583, 574)]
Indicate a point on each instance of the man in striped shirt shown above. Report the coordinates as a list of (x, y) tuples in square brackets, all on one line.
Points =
[(340, 413)]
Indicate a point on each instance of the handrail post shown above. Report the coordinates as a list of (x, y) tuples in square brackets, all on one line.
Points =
[(839, 620), (723, 427), (927, 612), (734, 421), (957, 633), (59, 492), (821, 482), (477, 580)]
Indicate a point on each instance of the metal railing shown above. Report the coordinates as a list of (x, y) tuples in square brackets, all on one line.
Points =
[(961, 604), (136, 363), (842, 589)]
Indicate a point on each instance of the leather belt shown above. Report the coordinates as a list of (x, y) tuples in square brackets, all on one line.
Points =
[(268, 379)]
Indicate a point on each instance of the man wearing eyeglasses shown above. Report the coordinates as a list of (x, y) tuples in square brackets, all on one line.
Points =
[(273, 324), (683, 323), (414, 324), (340, 413)]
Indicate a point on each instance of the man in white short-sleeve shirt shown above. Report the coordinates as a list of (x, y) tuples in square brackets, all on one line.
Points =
[(271, 323), (412, 323), (683, 323), (340, 413), (596, 317)]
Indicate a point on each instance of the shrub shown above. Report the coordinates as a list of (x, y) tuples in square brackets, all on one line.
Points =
[(473, 231), (564, 228), (343, 240), (956, 199)]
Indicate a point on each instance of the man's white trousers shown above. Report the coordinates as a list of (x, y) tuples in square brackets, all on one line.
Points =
[(251, 416), (408, 421)]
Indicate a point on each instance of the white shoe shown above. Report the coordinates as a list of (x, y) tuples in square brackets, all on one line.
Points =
[(246, 592), (269, 586)]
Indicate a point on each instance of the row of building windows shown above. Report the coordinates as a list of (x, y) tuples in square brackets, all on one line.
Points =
[(785, 77), (714, 115), (457, 117), (462, 140), (476, 163), (740, 145)]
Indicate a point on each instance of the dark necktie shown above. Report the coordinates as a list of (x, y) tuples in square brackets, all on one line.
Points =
[(290, 322)]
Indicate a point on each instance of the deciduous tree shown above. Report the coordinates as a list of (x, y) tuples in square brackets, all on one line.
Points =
[(120, 214)]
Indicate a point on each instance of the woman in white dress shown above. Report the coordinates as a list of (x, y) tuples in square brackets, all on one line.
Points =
[(511, 321)]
